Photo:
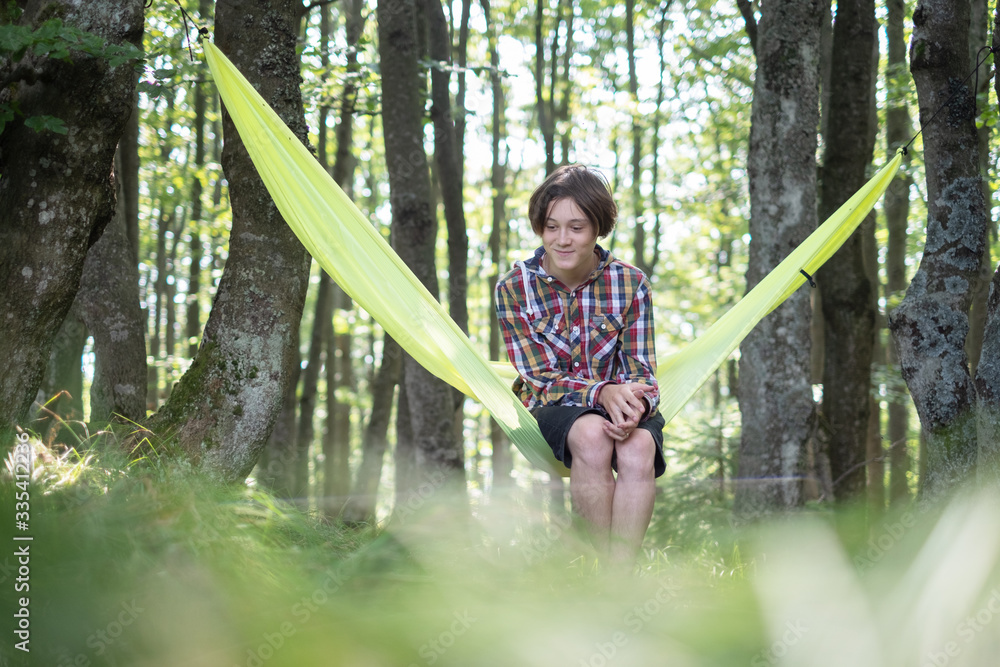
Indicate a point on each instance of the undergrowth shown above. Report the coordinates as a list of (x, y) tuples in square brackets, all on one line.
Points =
[(151, 563)]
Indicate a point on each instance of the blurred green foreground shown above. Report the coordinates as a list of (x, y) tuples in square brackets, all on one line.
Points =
[(155, 566)]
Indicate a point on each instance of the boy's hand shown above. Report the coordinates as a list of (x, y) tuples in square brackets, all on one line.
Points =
[(625, 405)]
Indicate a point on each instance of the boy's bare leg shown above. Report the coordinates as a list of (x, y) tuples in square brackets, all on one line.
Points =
[(591, 482), (635, 491)]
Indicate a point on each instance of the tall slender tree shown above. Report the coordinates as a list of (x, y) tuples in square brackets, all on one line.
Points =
[(847, 291), (897, 209), (428, 418)]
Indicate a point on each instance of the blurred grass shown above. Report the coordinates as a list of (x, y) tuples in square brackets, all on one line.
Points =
[(153, 565)]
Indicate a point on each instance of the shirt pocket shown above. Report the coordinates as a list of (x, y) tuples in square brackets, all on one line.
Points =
[(549, 331), (605, 331)]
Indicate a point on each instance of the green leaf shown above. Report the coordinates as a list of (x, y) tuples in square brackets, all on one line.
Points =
[(14, 38), (46, 123)]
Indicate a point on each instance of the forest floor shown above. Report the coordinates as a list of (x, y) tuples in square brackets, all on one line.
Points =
[(151, 564)]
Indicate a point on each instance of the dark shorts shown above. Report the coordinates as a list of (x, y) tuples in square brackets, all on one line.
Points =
[(555, 422)]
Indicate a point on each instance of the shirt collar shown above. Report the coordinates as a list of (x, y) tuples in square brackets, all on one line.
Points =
[(534, 263)]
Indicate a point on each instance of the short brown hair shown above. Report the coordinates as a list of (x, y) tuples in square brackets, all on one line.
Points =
[(585, 186)]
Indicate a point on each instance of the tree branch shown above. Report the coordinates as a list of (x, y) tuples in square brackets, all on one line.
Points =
[(746, 9)]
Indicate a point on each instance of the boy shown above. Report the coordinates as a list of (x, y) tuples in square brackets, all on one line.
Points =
[(577, 324)]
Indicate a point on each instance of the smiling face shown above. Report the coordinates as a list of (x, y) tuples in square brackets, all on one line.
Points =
[(569, 239)]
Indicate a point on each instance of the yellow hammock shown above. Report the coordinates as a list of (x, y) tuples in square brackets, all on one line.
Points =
[(355, 255)]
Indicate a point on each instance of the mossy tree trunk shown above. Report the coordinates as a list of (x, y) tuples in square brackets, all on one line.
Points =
[(775, 392), (56, 190), (931, 324), (221, 411)]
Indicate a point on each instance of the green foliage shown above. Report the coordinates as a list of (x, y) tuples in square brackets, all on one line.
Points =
[(54, 40), (152, 564)]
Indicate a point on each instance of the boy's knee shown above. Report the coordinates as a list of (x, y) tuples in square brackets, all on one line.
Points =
[(588, 442), (635, 456)]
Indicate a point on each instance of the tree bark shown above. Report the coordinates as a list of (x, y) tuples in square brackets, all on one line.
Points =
[(193, 312), (775, 392), (56, 190), (108, 304), (988, 372), (501, 459), (638, 212), (897, 210), (979, 19), (361, 506), (544, 121), (847, 292), (295, 453), (446, 155), (414, 231), (931, 324), (61, 393), (340, 384), (222, 410)]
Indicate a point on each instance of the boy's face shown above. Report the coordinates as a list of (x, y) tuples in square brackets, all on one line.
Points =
[(569, 238)]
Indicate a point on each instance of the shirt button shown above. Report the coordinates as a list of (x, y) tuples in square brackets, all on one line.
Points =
[(604, 326), (549, 279), (577, 363), (576, 329)]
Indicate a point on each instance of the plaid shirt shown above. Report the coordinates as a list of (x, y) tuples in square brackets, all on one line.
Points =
[(567, 345)]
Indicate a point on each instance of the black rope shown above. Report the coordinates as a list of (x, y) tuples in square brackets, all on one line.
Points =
[(980, 59), (202, 31)]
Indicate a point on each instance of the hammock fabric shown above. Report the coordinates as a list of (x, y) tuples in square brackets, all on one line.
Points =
[(355, 255)]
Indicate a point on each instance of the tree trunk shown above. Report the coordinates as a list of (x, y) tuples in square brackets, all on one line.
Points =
[(639, 231), (446, 155), (108, 304), (462, 56), (414, 231), (897, 210), (56, 190), (654, 151), (931, 324), (193, 314), (979, 19), (224, 407), (775, 392), (61, 394), (340, 384), (544, 121), (361, 506), (296, 451), (276, 466), (501, 459), (988, 372), (847, 293)]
